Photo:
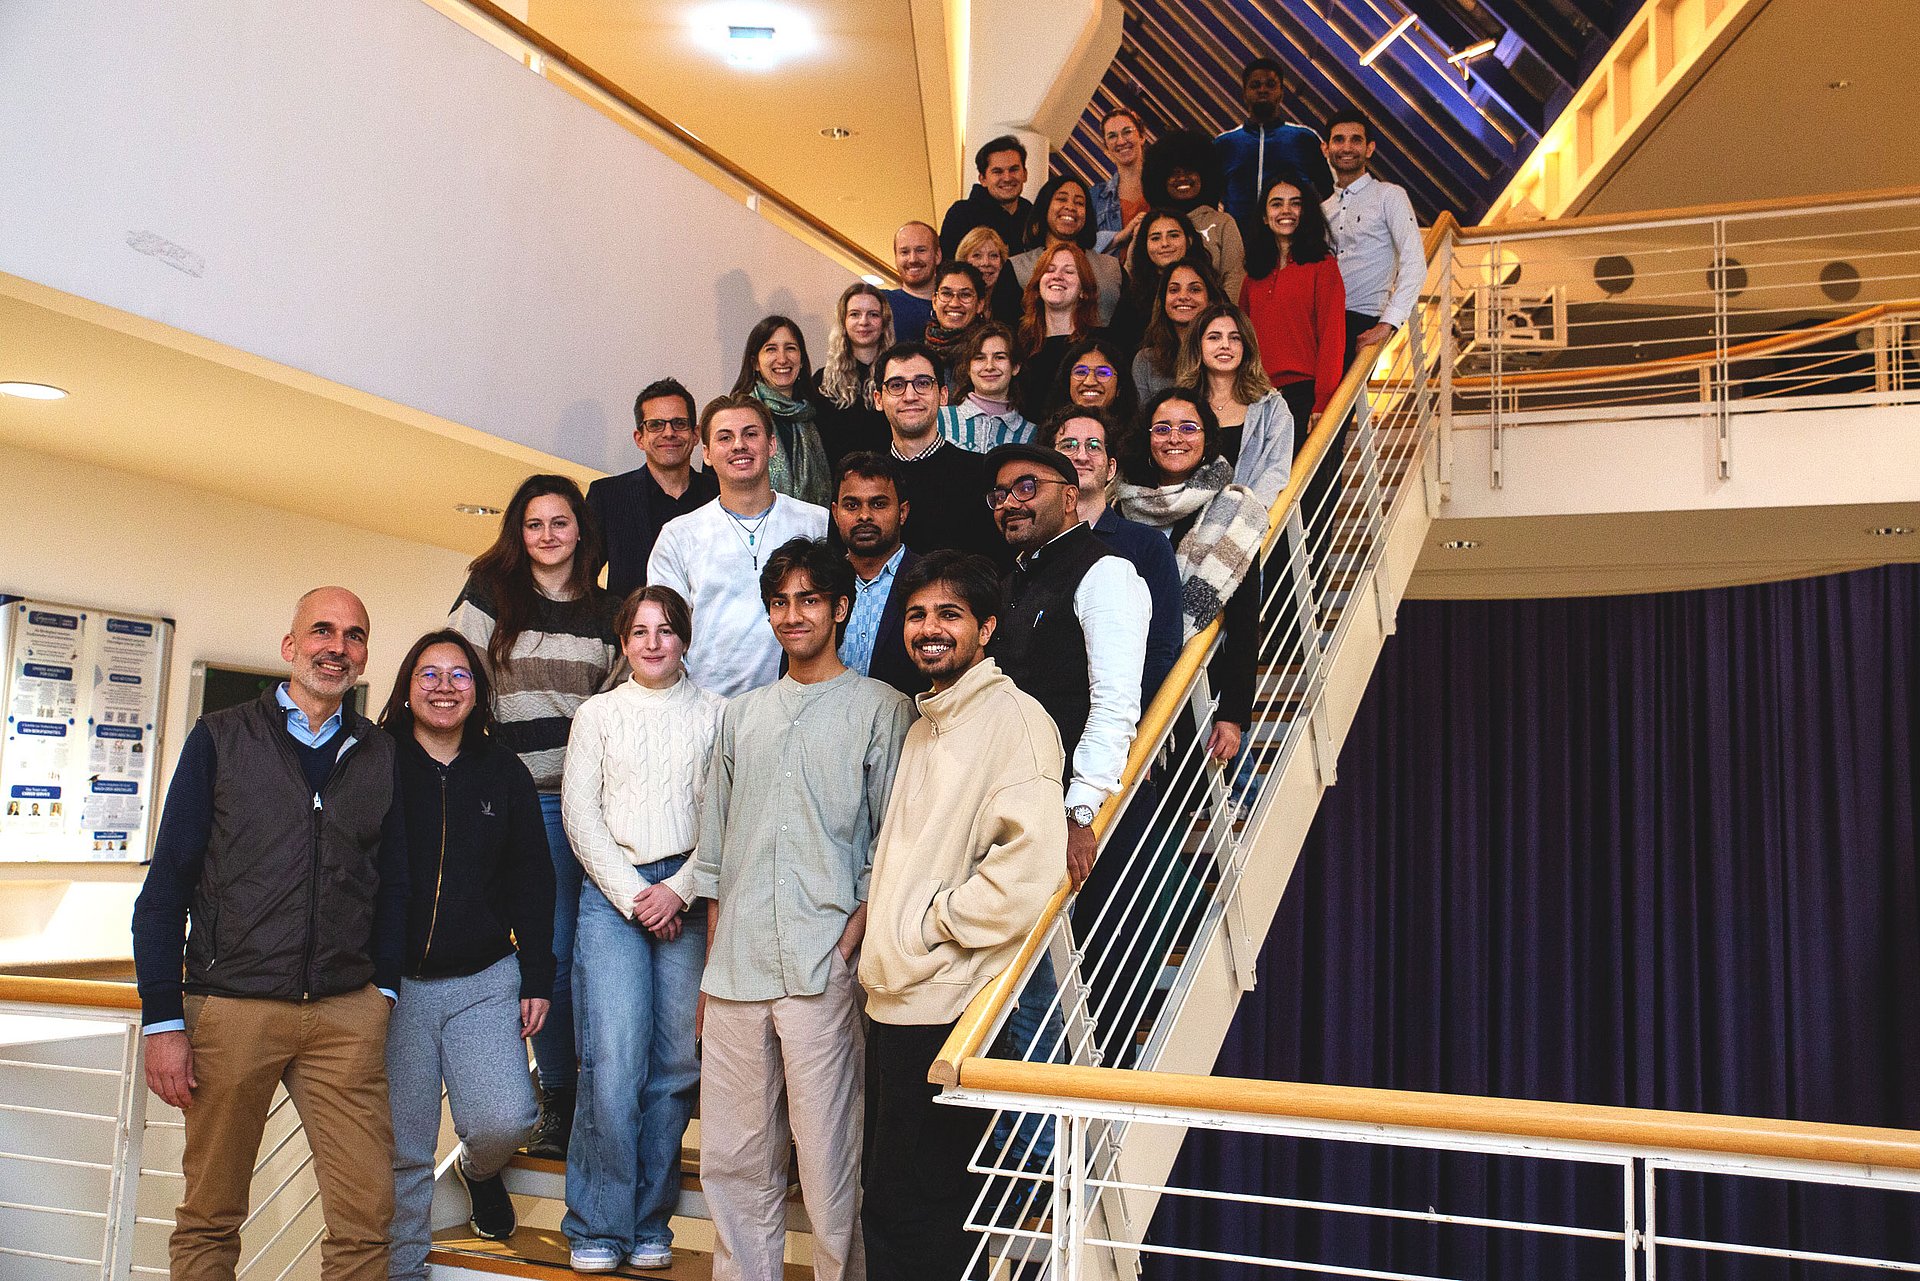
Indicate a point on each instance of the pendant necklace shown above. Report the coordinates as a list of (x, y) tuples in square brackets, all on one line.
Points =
[(747, 529)]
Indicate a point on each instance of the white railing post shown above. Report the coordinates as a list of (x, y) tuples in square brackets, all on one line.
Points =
[(123, 1193), (1496, 324), (1722, 369), (1449, 355)]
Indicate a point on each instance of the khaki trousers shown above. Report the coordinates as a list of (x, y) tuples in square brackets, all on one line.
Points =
[(793, 1065), (331, 1055)]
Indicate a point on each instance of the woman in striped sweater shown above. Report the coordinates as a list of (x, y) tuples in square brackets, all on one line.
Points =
[(544, 628)]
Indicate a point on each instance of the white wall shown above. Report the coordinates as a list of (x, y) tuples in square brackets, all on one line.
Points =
[(228, 572), (365, 191)]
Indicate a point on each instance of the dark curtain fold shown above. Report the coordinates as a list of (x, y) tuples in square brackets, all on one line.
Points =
[(1652, 851)]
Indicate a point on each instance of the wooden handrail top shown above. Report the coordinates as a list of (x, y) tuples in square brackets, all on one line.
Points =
[(1693, 213), (91, 993), (1770, 345), (1700, 1132), (552, 52)]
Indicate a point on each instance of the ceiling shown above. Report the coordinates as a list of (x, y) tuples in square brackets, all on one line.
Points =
[(853, 67), (161, 403), (1764, 123)]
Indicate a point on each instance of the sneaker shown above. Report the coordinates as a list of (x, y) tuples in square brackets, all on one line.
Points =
[(650, 1256), (554, 1130), (593, 1258), (492, 1217)]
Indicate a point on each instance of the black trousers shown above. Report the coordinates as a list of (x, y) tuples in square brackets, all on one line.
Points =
[(1358, 322), (915, 1183)]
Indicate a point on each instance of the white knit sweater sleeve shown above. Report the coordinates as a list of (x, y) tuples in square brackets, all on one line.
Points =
[(582, 807)]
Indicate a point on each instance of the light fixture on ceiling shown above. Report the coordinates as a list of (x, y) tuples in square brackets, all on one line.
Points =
[(476, 509), (1838, 84), (1475, 50), (752, 35), (874, 280), (1460, 544), (1393, 33), (1891, 531), (836, 133), (33, 391)]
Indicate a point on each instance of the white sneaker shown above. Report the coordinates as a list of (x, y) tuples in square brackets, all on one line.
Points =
[(593, 1258), (651, 1256)]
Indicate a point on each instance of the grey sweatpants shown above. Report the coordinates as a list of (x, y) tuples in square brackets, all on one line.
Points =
[(465, 1031)]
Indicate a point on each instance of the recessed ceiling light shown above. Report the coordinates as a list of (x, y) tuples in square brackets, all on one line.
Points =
[(836, 133), (476, 509), (33, 391), (1460, 544), (1891, 531), (1838, 84)]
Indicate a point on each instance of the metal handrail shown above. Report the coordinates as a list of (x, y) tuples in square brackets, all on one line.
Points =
[(1692, 213)]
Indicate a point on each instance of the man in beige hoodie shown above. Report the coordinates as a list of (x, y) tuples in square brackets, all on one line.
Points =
[(973, 845)]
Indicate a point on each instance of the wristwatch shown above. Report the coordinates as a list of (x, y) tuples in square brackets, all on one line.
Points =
[(1082, 815)]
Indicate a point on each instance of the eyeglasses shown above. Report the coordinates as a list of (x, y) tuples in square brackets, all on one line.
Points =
[(452, 677), (1074, 445), (1167, 429), (922, 383), (1102, 372), (655, 426), (1024, 489), (955, 295)]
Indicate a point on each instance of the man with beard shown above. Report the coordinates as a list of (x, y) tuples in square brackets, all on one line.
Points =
[(970, 852), (1376, 236), (916, 253), (1267, 145), (941, 482), (868, 515)]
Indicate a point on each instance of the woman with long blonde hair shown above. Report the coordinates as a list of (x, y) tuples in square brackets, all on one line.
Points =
[(848, 420)]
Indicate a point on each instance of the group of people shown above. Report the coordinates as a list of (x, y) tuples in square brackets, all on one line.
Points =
[(754, 821)]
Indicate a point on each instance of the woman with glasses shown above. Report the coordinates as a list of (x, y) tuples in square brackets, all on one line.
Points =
[(1220, 356), (479, 968), (775, 371), (635, 779), (959, 305), (1187, 288), (1063, 214), (1057, 310), (848, 418), (1178, 482), (543, 630), (1093, 376)]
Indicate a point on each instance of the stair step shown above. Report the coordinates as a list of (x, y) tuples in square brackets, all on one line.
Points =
[(534, 1176), (542, 1253)]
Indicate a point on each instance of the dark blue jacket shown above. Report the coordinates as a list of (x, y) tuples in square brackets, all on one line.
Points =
[(1251, 155)]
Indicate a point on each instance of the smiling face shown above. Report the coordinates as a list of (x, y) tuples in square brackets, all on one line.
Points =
[(1221, 346), (988, 260), (942, 635), (327, 648), (1179, 451), (1093, 380), (992, 371), (1067, 211), (1060, 282), (1348, 150), (654, 650), (738, 446), (864, 323), (868, 515), (803, 617), (1183, 185), (441, 694), (956, 303), (550, 531), (1186, 296), (1033, 522), (665, 433), (916, 252), (1004, 176), (1120, 136), (1282, 211), (779, 359), (1166, 242), (1084, 441), (910, 398)]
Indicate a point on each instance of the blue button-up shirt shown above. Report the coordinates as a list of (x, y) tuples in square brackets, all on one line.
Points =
[(297, 726), (863, 620)]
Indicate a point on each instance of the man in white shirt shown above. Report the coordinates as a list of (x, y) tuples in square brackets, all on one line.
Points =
[(712, 556), (1375, 235)]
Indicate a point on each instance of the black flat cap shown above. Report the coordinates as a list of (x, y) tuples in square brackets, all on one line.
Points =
[(1000, 455)]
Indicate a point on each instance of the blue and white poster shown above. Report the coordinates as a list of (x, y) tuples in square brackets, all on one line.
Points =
[(83, 692)]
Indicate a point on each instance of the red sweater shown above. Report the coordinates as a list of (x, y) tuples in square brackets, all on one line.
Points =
[(1299, 314)]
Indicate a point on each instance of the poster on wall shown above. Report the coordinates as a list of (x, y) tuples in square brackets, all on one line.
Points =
[(83, 691)]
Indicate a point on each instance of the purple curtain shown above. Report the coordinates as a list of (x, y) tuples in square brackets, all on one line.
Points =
[(1653, 851)]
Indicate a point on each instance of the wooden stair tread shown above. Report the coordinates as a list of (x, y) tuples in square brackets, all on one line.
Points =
[(542, 1253), (689, 1169)]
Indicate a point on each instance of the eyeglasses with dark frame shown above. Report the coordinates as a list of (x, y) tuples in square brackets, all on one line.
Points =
[(897, 385), (655, 426), (1024, 489)]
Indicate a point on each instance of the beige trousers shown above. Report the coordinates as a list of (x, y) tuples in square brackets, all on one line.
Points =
[(769, 1069), (331, 1053)]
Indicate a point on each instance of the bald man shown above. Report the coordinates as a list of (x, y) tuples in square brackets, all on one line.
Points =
[(282, 843)]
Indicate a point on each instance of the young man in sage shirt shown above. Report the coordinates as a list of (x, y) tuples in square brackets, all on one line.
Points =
[(797, 789)]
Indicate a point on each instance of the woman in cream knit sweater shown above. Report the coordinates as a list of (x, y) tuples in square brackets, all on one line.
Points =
[(636, 773)]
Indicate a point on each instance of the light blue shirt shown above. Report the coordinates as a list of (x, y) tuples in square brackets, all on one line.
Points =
[(863, 620), (297, 720)]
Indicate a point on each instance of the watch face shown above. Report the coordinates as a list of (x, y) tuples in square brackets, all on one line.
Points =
[(1081, 814)]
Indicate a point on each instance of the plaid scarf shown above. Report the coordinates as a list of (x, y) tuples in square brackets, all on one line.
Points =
[(1220, 548)]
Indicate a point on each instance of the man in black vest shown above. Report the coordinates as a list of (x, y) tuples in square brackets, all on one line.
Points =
[(633, 506), (285, 846)]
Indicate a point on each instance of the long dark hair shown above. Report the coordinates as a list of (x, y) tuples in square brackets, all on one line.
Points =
[(1310, 242), (1136, 455), (1141, 273), (397, 718), (505, 572), (750, 359), (1161, 343), (1125, 397), (1037, 231)]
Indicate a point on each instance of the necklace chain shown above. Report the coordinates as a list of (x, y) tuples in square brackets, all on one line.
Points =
[(747, 530)]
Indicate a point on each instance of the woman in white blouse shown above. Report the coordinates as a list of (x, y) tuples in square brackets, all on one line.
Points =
[(636, 773)]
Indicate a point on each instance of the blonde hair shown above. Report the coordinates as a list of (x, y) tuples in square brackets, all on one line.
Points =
[(977, 239), (840, 372)]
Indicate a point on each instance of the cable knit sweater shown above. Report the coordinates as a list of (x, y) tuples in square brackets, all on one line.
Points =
[(636, 775)]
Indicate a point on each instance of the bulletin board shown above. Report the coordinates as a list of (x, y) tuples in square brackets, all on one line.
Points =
[(83, 689)]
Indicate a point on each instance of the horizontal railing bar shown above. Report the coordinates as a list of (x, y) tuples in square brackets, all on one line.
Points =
[(25, 1110), (1227, 1256), (1618, 1127), (153, 1222), (58, 1067), (42, 1255), (1884, 198), (55, 1160), (80, 993), (1784, 1252), (149, 1173), (27, 1207)]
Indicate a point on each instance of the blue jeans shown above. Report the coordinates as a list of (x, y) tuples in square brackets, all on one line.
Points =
[(556, 1045), (639, 1073)]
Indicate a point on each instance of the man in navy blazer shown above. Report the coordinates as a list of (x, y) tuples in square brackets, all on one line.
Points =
[(868, 515), (634, 506)]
